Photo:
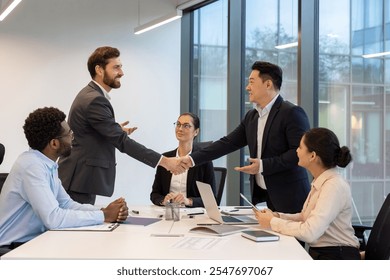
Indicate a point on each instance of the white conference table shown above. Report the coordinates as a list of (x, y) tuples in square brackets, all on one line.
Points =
[(135, 242)]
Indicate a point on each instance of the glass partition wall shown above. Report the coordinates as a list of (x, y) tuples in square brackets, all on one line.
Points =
[(352, 93), (209, 68), (352, 87)]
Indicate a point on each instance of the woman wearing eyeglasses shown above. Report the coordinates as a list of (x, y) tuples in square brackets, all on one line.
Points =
[(182, 188)]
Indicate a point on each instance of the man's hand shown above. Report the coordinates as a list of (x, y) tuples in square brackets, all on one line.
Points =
[(128, 130), (186, 160), (116, 211), (174, 165), (252, 169)]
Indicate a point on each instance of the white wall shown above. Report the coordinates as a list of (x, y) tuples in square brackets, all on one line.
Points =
[(44, 46)]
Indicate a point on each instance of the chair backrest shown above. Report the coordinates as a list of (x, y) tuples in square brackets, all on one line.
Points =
[(2, 152), (378, 244), (3, 176), (220, 178)]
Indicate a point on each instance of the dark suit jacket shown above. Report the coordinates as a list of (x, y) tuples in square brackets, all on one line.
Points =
[(287, 183), (91, 166), (162, 181)]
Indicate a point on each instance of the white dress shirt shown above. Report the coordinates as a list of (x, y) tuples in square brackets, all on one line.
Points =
[(263, 116), (106, 95), (179, 182)]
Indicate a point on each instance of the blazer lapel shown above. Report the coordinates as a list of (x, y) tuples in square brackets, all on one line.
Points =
[(268, 124), (252, 142)]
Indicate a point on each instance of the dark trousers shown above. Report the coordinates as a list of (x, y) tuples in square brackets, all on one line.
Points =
[(334, 253), (13, 245), (83, 198), (8, 248)]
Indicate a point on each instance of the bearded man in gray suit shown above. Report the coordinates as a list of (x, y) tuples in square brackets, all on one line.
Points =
[(90, 169)]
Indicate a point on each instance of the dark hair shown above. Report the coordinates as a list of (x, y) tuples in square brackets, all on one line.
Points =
[(195, 119), (100, 57), (325, 144), (269, 71), (43, 125)]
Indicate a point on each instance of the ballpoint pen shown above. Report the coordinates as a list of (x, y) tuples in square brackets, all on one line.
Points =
[(196, 213), (166, 235)]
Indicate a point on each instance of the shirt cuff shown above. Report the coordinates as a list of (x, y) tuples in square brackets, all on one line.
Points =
[(158, 163), (193, 162)]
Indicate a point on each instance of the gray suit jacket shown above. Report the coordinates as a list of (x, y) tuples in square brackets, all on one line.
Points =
[(91, 166)]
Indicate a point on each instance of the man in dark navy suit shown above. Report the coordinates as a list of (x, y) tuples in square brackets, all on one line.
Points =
[(272, 131)]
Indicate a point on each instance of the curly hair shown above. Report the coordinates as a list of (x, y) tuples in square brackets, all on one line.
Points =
[(100, 57), (43, 125)]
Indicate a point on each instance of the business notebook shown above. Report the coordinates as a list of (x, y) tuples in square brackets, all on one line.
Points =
[(259, 235), (212, 210), (140, 221), (219, 230)]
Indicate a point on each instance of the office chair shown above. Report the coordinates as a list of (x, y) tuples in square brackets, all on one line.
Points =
[(378, 243), (3, 176), (4, 251), (220, 177), (2, 152)]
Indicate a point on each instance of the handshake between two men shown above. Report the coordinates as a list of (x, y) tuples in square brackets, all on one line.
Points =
[(176, 165), (181, 164)]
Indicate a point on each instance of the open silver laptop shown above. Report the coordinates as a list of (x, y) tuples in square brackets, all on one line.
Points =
[(212, 210)]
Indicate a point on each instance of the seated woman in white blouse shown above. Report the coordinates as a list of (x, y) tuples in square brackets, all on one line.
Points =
[(182, 188), (325, 220)]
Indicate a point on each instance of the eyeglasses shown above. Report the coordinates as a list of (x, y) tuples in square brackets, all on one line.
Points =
[(183, 125), (70, 133)]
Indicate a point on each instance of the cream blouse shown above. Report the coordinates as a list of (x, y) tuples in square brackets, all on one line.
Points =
[(325, 219)]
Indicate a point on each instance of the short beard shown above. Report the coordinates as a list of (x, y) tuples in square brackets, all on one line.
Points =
[(65, 151), (111, 82)]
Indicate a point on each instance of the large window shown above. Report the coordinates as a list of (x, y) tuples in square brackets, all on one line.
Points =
[(274, 38), (209, 65), (352, 93), (353, 89)]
